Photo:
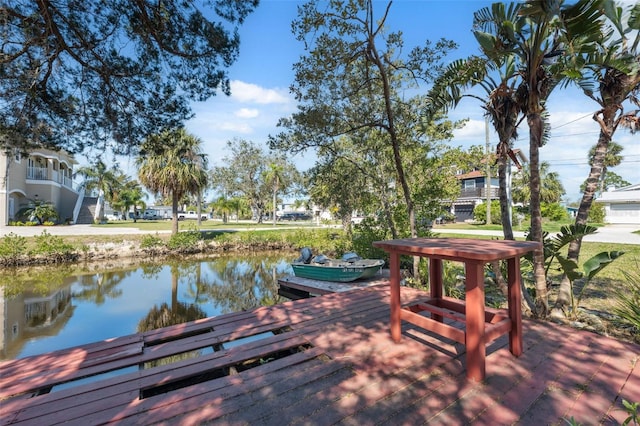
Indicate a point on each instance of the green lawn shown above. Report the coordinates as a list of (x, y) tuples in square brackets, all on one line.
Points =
[(551, 227)]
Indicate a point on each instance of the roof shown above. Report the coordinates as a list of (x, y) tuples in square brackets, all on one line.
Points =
[(627, 194), (470, 175)]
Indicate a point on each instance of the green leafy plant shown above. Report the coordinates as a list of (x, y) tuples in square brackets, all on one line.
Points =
[(633, 409), (554, 211), (53, 247), (480, 212), (591, 267), (42, 211), (151, 244), (12, 248), (184, 241), (628, 300)]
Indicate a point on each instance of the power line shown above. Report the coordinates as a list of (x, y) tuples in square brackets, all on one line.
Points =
[(624, 159), (572, 121)]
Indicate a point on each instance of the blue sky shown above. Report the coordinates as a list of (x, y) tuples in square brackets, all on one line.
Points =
[(263, 73)]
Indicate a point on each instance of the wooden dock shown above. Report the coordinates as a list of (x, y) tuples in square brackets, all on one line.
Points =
[(320, 361), (296, 288)]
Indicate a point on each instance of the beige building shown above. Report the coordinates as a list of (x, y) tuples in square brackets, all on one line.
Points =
[(44, 175)]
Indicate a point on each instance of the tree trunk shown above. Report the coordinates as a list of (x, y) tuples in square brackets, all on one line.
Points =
[(595, 175), (535, 122), (275, 198), (347, 224), (505, 208), (373, 55), (174, 219)]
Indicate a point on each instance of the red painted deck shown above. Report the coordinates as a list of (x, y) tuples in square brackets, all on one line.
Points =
[(331, 360)]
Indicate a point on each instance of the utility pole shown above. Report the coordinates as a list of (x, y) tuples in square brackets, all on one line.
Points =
[(488, 170)]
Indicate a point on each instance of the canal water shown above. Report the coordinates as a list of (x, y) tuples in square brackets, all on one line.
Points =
[(45, 309)]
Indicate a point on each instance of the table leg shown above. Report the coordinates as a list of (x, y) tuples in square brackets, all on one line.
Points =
[(515, 306), (394, 269), (475, 317), (435, 283)]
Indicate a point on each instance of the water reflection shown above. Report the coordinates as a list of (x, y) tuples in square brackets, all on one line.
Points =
[(45, 309)]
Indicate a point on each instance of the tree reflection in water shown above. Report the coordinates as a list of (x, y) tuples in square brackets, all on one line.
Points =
[(109, 302), (100, 286), (241, 284)]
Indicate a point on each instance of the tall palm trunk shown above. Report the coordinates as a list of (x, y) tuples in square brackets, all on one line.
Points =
[(535, 234), (607, 127), (505, 208), (174, 219)]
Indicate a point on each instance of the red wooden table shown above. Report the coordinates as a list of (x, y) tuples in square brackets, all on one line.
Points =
[(481, 325)]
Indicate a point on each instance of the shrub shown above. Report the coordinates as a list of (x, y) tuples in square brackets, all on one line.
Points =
[(184, 241), (151, 242), (365, 234), (554, 211), (53, 247), (596, 213), (12, 248), (480, 212)]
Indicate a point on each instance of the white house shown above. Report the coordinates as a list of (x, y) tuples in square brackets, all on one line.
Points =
[(622, 205)]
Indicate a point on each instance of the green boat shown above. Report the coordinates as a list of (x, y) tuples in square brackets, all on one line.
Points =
[(350, 268)]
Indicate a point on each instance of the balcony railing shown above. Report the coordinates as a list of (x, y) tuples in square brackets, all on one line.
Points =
[(478, 193), (67, 181), (37, 173), (42, 173)]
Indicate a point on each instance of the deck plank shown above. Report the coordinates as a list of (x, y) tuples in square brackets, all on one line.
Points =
[(350, 373)]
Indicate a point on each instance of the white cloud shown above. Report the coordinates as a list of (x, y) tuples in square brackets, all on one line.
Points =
[(473, 131), (247, 113), (252, 93)]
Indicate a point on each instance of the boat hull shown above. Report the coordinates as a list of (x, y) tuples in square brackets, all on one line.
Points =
[(338, 271)]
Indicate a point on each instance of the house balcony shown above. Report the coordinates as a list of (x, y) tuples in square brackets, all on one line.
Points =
[(478, 193), (42, 173), (38, 173)]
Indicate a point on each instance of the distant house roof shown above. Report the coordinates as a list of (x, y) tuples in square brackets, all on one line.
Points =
[(627, 194), (470, 175)]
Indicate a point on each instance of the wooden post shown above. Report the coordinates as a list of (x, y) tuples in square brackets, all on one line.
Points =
[(475, 342), (394, 266), (515, 305)]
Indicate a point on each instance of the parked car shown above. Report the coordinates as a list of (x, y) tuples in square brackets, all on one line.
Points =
[(191, 215), (294, 216)]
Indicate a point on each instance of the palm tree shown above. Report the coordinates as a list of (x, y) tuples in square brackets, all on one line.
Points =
[(131, 195), (222, 206), (274, 177), (612, 78), (106, 181), (551, 189), (172, 164), (536, 37), (499, 102)]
